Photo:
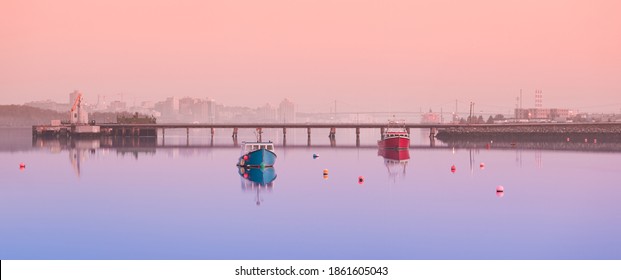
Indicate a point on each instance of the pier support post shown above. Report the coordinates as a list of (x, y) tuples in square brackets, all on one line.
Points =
[(382, 132), (163, 136), (432, 132), (260, 133), (213, 131), (308, 141), (357, 136), (234, 133), (284, 136), (332, 133)]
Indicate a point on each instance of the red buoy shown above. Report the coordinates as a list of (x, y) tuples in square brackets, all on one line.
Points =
[(22, 165), (360, 180), (482, 165), (245, 157), (500, 189), (453, 168), (246, 175)]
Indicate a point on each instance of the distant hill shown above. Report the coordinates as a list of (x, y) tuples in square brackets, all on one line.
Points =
[(26, 116)]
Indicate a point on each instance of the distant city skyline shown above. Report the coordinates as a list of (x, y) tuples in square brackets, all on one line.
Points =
[(365, 55)]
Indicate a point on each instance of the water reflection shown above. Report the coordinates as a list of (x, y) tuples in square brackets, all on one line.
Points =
[(79, 150), (396, 161), (257, 180), (536, 145)]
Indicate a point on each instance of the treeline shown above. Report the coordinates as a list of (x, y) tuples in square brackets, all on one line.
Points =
[(26, 116)]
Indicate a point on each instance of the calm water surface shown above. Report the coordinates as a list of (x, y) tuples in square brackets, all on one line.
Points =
[(109, 200)]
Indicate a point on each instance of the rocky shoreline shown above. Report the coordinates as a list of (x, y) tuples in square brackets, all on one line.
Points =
[(599, 132)]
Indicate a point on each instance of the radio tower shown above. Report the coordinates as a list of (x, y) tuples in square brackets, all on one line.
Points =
[(538, 99)]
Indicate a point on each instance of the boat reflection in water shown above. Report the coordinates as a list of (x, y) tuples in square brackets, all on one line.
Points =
[(396, 161), (257, 180)]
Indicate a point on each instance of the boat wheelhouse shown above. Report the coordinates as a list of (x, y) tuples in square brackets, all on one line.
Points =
[(395, 136)]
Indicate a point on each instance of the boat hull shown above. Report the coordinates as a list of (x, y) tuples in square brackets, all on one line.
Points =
[(258, 158), (394, 143)]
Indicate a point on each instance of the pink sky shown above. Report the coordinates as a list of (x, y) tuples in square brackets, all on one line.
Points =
[(368, 55)]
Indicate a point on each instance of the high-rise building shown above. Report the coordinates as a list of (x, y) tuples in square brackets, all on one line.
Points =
[(286, 111), (267, 113)]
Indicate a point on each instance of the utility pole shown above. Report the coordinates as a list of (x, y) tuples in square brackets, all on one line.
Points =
[(471, 109)]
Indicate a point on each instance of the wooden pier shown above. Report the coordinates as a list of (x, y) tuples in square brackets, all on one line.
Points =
[(451, 130)]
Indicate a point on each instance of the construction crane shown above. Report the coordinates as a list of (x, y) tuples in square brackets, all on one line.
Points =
[(77, 115)]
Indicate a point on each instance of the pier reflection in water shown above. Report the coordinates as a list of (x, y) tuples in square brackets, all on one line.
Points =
[(257, 180)]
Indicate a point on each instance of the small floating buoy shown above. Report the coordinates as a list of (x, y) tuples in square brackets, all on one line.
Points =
[(453, 168), (325, 176), (315, 155), (482, 165), (360, 180), (325, 172), (500, 191), (22, 165)]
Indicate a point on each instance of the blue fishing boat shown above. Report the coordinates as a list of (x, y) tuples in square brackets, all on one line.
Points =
[(257, 154)]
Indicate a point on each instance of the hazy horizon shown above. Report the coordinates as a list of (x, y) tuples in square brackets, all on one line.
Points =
[(366, 55)]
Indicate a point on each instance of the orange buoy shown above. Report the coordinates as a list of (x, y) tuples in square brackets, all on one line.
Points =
[(22, 165), (360, 180), (325, 176), (482, 165), (325, 172), (453, 168)]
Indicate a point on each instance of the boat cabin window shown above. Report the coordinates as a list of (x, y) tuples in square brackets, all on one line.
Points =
[(270, 147), (255, 147)]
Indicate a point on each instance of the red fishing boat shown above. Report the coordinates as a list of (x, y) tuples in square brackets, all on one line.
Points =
[(395, 136)]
